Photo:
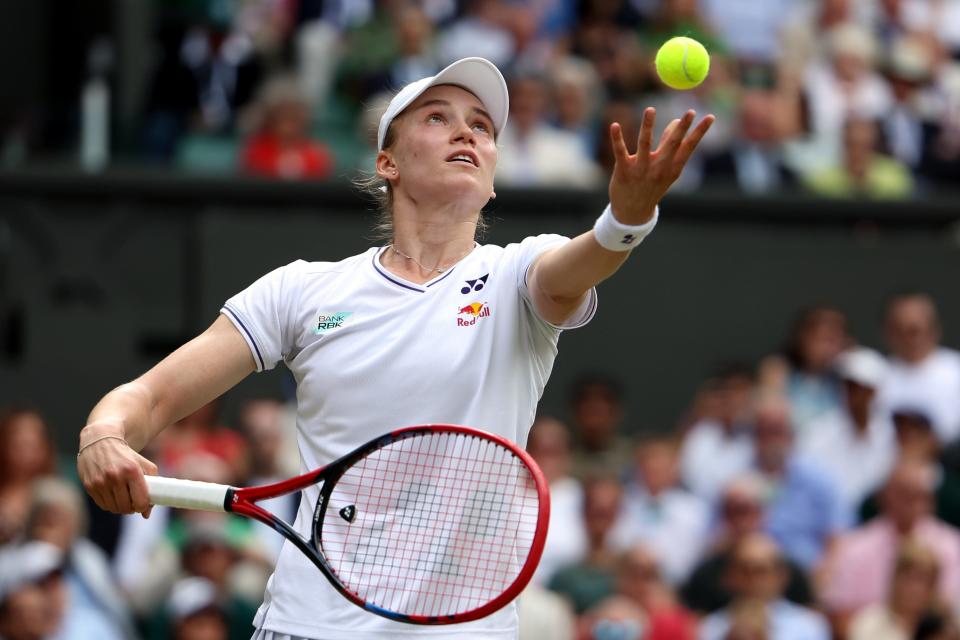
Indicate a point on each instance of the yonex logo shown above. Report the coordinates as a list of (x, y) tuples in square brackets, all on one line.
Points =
[(475, 285), (348, 513), (328, 321), (628, 239)]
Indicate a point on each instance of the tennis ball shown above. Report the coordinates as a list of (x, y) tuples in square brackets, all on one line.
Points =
[(682, 63)]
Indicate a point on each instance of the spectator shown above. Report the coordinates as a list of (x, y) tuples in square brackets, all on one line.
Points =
[(913, 594), (208, 71), (262, 422), (757, 578), (200, 432), (719, 444), (26, 453), (35, 602), (804, 372), (640, 580), (844, 87), (857, 431), (621, 110), (909, 127), (863, 170), (917, 441), (614, 617), (604, 37), (195, 612), (923, 374), (280, 146), (656, 512), (741, 508), (58, 517), (549, 444), (214, 553), (803, 32), (577, 95), (220, 547), (416, 58), (596, 403), (31, 591), (592, 579), (748, 621), (764, 121), (937, 625), (676, 17), (750, 30), (544, 615), (804, 509), (531, 146), (491, 29), (858, 571)]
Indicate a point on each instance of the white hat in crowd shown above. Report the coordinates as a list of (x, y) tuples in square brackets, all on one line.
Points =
[(191, 595), (861, 365), (479, 76), (25, 564)]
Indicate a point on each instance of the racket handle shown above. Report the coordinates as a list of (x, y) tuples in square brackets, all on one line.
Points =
[(187, 494)]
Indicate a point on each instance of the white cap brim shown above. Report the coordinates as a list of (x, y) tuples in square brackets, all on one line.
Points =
[(27, 563), (479, 76), (864, 366)]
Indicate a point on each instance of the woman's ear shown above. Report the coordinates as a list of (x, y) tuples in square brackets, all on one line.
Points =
[(386, 167), (493, 195)]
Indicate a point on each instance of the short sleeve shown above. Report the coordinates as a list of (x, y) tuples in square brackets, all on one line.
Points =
[(530, 249), (264, 314)]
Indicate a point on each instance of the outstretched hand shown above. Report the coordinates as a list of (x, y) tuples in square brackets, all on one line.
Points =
[(640, 180)]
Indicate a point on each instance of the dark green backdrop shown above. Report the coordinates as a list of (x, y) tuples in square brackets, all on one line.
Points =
[(99, 277)]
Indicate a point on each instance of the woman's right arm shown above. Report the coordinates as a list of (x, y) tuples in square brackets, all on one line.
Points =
[(128, 417)]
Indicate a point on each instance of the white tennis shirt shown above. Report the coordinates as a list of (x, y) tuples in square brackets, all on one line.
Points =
[(372, 352)]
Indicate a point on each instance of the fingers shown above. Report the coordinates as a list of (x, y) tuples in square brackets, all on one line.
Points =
[(674, 134), (689, 145), (139, 495), (620, 153), (645, 140), (113, 476)]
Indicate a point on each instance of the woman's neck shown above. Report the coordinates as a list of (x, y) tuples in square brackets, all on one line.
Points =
[(428, 240)]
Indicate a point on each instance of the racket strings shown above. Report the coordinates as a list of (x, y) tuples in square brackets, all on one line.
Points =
[(443, 524)]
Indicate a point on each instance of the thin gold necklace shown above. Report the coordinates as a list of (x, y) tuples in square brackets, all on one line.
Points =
[(426, 268)]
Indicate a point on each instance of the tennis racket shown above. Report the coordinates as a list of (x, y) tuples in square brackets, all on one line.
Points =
[(433, 524)]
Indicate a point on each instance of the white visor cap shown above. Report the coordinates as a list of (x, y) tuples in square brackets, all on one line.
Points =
[(479, 76)]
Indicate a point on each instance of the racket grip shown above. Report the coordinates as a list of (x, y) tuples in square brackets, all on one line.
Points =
[(187, 494)]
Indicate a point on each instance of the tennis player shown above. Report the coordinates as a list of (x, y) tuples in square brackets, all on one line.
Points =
[(430, 328)]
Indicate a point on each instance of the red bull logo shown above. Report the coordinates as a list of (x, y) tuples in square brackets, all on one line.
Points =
[(473, 312)]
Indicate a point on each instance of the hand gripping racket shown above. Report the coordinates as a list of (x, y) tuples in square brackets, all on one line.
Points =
[(433, 524)]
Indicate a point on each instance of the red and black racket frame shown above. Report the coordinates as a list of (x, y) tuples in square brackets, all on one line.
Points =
[(242, 501)]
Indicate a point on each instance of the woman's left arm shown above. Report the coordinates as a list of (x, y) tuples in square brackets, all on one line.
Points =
[(559, 278)]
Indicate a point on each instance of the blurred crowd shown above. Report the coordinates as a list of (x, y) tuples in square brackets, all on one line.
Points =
[(812, 495), (838, 97)]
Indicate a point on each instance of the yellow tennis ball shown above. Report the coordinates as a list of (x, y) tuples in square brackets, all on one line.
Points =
[(682, 63)]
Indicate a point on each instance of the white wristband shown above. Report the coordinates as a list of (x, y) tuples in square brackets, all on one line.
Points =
[(616, 236)]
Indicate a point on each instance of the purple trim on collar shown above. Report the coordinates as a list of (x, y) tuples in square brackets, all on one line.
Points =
[(385, 274)]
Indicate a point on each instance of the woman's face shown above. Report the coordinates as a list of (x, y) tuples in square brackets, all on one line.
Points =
[(443, 147), (28, 449)]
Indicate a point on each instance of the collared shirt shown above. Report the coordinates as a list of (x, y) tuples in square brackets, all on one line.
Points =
[(672, 525), (566, 536), (932, 386), (861, 567), (804, 509), (785, 621), (711, 457), (833, 441)]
